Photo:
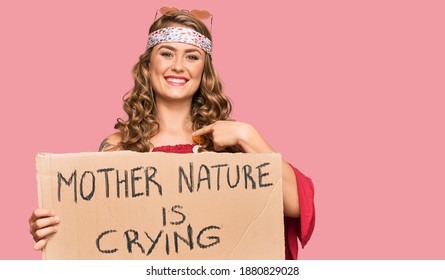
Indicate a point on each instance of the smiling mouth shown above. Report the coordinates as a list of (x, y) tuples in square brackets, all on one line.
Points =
[(176, 81)]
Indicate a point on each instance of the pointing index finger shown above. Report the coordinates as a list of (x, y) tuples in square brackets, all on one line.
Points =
[(202, 131)]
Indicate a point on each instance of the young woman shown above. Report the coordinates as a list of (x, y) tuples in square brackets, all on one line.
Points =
[(177, 105)]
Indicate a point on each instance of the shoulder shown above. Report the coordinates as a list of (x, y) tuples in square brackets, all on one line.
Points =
[(111, 143)]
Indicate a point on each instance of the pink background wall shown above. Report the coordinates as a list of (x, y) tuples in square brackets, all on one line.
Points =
[(351, 92)]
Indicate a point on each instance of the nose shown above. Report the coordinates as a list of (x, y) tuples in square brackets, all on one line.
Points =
[(177, 65)]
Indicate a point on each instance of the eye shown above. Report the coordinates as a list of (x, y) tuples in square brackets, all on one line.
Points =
[(167, 54), (193, 57)]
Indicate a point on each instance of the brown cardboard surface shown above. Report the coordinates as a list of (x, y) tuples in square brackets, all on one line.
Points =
[(128, 205)]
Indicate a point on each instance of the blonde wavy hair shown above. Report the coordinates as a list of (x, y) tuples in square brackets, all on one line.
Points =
[(208, 106)]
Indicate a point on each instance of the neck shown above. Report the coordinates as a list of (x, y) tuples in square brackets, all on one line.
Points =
[(174, 116), (175, 124)]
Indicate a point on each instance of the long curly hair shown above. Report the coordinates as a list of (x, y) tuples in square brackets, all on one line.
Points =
[(209, 104)]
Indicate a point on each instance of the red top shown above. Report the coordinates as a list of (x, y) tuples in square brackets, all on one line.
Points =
[(295, 228)]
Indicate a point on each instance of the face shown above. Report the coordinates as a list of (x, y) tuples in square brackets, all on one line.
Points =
[(176, 71)]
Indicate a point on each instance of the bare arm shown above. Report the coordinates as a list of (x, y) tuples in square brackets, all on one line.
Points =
[(111, 143)]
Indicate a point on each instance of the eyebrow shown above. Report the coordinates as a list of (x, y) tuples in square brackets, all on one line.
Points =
[(174, 49)]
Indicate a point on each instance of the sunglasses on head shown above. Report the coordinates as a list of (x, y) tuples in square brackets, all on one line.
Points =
[(199, 14)]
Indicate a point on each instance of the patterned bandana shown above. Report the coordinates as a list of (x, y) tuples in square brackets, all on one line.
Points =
[(179, 35)]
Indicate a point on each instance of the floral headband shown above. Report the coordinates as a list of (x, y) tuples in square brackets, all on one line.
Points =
[(179, 35)]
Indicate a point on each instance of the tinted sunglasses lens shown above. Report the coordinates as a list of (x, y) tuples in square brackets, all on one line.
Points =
[(200, 14), (167, 10)]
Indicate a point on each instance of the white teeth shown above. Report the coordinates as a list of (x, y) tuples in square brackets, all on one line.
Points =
[(177, 81)]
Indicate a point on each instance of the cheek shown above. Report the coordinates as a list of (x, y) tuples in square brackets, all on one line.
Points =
[(198, 71), (157, 66), (156, 73), (197, 77)]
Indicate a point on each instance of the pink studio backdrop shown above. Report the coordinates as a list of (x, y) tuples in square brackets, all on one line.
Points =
[(351, 92)]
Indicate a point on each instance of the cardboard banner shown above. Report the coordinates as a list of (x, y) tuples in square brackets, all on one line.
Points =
[(128, 205)]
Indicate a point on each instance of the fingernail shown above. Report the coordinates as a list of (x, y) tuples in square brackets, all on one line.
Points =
[(55, 229), (193, 133), (56, 219), (52, 213)]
